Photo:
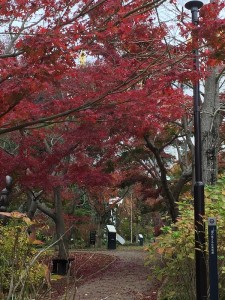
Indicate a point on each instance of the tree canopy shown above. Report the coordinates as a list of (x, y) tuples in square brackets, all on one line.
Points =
[(112, 118)]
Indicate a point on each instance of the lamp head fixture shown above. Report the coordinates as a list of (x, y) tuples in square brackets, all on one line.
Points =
[(193, 4), (194, 7)]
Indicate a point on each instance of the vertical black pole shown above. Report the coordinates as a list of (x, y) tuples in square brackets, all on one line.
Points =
[(199, 206)]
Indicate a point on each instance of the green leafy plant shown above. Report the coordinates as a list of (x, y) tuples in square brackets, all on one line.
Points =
[(22, 275), (174, 251)]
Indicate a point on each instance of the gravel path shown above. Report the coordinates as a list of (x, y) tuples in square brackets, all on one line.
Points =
[(124, 279)]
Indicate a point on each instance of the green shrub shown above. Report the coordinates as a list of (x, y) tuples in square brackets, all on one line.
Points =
[(21, 274), (174, 251)]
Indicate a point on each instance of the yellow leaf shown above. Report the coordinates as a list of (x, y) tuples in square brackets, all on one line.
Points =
[(169, 250), (56, 277), (28, 221), (17, 215), (37, 242), (160, 251), (82, 58)]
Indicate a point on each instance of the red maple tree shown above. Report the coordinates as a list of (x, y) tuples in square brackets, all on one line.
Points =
[(74, 121)]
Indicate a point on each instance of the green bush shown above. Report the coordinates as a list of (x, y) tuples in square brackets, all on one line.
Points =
[(21, 274), (174, 251)]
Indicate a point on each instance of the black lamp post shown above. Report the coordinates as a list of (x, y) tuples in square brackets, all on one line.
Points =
[(199, 205)]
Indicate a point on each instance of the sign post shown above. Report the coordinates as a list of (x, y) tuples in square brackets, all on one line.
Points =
[(213, 269)]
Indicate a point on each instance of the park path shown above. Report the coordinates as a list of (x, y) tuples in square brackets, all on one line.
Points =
[(124, 279)]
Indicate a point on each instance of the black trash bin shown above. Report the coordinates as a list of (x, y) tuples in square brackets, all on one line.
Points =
[(111, 237), (92, 237), (61, 266), (141, 239)]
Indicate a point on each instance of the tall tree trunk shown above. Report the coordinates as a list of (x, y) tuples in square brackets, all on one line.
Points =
[(60, 225), (211, 120)]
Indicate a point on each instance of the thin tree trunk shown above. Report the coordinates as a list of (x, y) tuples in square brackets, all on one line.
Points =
[(60, 225), (99, 233), (171, 201)]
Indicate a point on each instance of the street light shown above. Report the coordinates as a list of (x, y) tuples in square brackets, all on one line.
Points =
[(199, 205)]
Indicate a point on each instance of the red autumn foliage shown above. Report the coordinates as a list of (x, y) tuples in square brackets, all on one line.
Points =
[(89, 113)]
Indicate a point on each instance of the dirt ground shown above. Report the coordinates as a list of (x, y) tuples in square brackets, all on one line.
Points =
[(124, 278)]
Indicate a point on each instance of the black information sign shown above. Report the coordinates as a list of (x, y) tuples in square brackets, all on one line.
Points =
[(213, 272)]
